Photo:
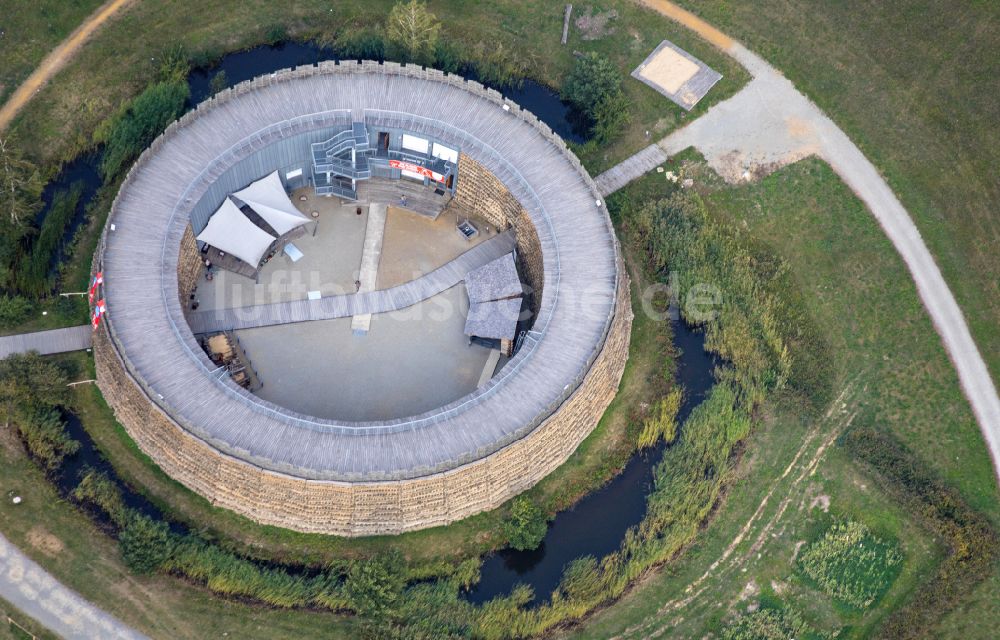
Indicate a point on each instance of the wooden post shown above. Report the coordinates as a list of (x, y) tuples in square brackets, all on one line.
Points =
[(565, 36)]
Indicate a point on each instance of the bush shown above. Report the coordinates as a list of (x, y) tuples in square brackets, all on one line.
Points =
[(44, 433), (662, 424), (98, 489), (851, 564), (14, 310), (582, 580), (413, 30), (366, 44), (499, 66), (447, 57), (32, 275), (127, 133), (27, 381), (374, 586), (594, 89), (526, 526), (31, 392), (218, 82), (145, 544), (766, 624)]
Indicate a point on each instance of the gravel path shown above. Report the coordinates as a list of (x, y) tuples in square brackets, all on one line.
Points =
[(64, 612), (768, 124), (54, 62)]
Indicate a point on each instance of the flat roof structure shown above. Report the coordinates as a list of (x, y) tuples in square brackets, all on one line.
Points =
[(676, 74), (495, 280), (173, 181)]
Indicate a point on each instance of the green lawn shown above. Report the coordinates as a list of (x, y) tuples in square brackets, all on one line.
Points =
[(15, 625), (594, 462), (914, 83), (61, 118), (87, 560), (886, 355), (31, 29)]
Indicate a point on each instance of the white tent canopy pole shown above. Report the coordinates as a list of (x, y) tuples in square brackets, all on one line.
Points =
[(232, 232), (268, 199)]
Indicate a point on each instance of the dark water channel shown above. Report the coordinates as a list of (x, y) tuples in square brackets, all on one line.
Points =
[(597, 524), (81, 170), (88, 457), (246, 65)]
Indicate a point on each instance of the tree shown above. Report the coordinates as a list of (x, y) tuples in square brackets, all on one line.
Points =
[(145, 543), (594, 89), (610, 117), (413, 29), (593, 78), (526, 526), (13, 310), (29, 382), (20, 184)]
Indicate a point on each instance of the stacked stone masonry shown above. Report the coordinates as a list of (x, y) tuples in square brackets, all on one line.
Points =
[(357, 509), (481, 192), (188, 264)]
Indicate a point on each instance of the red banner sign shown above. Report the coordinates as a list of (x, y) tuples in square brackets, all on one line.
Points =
[(416, 168)]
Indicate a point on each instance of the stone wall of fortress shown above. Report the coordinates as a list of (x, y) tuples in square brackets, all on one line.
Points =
[(357, 509), (480, 192), (189, 263)]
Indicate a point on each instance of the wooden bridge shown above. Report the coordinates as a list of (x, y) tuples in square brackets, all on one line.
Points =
[(354, 304), (47, 342)]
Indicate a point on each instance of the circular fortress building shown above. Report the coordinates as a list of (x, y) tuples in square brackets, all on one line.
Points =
[(359, 299)]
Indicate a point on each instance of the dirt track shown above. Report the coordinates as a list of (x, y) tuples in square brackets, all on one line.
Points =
[(53, 62), (28, 587), (768, 124)]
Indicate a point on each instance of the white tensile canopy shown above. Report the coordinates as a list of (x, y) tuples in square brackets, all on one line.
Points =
[(230, 231), (268, 199)]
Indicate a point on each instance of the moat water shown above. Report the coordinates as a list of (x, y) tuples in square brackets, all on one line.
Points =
[(597, 523), (245, 65)]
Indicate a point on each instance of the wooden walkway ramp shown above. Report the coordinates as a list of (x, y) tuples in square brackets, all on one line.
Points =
[(370, 257), (629, 169), (354, 304), (47, 342)]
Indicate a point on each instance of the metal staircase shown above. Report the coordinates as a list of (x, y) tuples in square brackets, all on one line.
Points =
[(340, 162)]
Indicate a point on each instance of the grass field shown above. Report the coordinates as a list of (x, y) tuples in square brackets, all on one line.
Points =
[(30, 30), (64, 114), (914, 83), (647, 376), (886, 354), (15, 625)]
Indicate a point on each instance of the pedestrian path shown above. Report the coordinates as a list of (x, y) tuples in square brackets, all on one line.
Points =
[(630, 169), (47, 342), (372, 253), (27, 586), (355, 304)]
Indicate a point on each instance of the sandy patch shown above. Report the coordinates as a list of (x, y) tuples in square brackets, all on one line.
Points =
[(669, 70), (751, 590), (39, 538), (821, 501)]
